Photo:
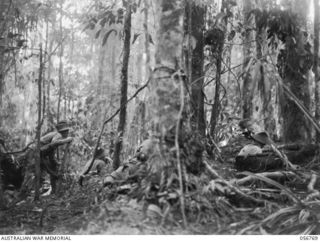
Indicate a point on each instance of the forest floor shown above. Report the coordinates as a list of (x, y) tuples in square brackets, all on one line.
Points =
[(92, 210), (82, 213)]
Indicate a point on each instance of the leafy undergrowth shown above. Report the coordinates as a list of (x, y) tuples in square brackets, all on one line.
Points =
[(261, 207)]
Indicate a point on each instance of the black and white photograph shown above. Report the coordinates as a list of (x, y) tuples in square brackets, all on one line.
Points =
[(159, 117)]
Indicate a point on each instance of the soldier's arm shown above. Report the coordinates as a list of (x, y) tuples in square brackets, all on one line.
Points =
[(56, 143)]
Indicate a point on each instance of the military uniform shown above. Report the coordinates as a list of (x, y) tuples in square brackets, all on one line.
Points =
[(48, 163), (99, 167), (136, 167), (133, 168)]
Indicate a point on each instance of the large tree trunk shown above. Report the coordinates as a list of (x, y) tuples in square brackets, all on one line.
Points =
[(124, 87), (197, 74), (147, 74), (266, 108), (248, 53), (165, 94), (316, 62), (168, 97), (295, 126), (5, 6)]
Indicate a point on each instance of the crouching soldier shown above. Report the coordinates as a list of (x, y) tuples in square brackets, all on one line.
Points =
[(48, 163)]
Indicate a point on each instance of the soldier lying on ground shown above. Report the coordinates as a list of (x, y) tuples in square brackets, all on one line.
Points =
[(48, 163), (135, 167), (100, 164)]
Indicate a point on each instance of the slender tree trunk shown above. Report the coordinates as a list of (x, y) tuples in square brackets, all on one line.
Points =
[(124, 86), (60, 66), (49, 115), (197, 76), (316, 62), (101, 66), (248, 53), (46, 49), (218, 55), (69, 93), (37, 165), (100, 87), (147, 74), (65, 102), (113, 78), (216, 107)]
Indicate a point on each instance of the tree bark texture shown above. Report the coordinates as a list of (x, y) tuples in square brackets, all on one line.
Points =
[(165, 94), (248, 53), (5, 6), (61, 87), (295, 126), (99, 112), (48, 111), (37, 165), (168, 99), (197, 74), (147, 74), (266, 109), (124, 87), (316, 62), (218, 55)]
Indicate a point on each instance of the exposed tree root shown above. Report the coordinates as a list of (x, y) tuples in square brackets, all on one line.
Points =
[(275, 174)]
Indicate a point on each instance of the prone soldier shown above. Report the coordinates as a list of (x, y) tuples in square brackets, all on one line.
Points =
[(99, 167), (136, 166)]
